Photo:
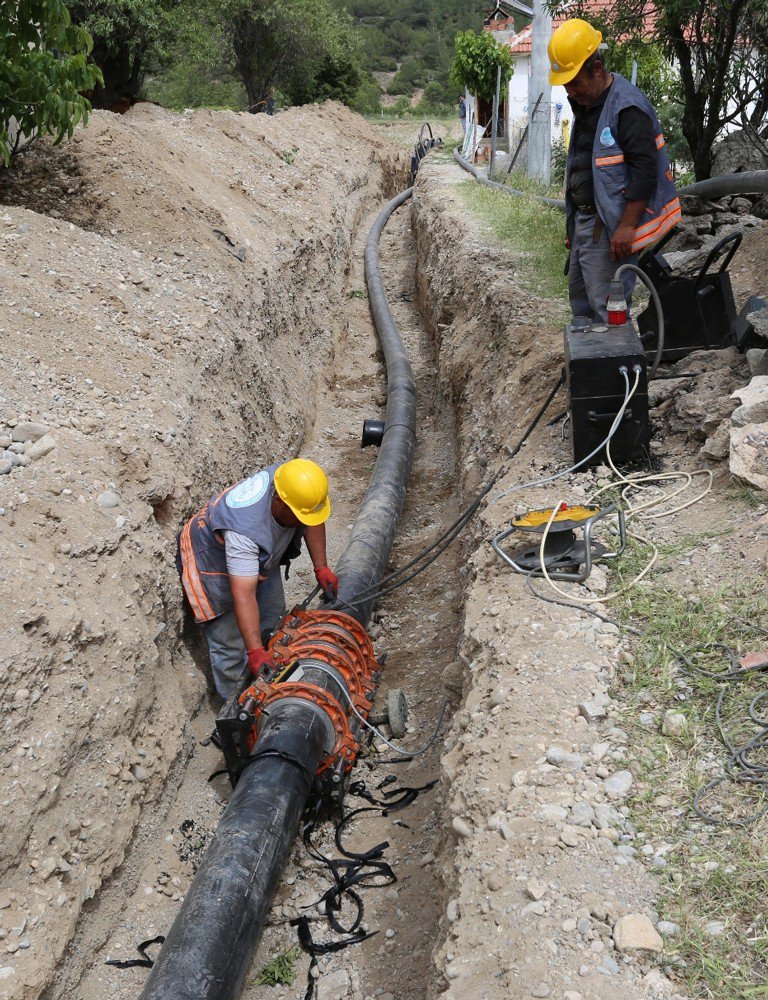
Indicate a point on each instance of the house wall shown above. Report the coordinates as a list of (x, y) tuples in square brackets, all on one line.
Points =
[(517, 103)]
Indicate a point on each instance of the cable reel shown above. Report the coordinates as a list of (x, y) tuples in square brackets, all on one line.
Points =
[(566, 555)]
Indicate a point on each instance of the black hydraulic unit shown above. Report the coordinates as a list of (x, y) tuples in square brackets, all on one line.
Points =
[(594, 355), (699, 310)]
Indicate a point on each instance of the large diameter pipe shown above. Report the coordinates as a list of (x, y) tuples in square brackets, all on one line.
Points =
[(746, 182), (362, 565), (208, 949)]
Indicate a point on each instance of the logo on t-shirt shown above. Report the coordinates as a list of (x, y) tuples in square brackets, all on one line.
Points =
[(249, 492), (606, 137)]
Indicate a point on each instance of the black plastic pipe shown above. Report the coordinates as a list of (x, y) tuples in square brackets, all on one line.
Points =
[(748, 182), (365, 558), (208, 949), (504, 188)]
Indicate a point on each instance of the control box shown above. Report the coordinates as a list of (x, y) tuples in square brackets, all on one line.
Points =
[(596, 390)]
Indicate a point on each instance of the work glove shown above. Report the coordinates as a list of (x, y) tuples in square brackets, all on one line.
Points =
[(258, 658), (328, 581)]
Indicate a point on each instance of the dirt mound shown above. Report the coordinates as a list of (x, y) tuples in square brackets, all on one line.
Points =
[(171, 287)]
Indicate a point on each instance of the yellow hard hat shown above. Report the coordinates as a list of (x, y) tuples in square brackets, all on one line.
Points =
[(569, 48), (304, 487)]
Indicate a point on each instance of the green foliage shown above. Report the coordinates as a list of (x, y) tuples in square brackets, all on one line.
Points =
[(720, 51), (559, 157), (129, 38), (281, 971), (367, 99), (437, 97), (43, 71), (476, 61), (306, 48), (190, 84)]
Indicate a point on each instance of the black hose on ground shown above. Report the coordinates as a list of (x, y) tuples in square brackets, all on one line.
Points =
[(504, 188), (208, 949), (748, 182)]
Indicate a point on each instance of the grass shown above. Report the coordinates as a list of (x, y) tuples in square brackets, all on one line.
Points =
[(535, 232), (712, 872), (281, 970)]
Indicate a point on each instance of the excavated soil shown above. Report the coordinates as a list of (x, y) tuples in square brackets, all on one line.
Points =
[(184, 303)]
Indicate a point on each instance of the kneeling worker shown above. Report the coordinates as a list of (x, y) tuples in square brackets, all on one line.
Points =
[(230, 554)]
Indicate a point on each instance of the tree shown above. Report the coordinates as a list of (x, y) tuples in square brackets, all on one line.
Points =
[(720, 50), (43, 70), (476, 61), (129, 38), (306, 48)]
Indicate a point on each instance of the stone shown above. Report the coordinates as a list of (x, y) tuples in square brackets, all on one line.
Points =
[(553, 813), (635, 932), (561, 758), (108, 499), (28, 431), (618, 785), (717, 447), (542, 991), (674, 724), (667, 928), (39, 448), (5, 466), (757, 361), (333, 985), (738, 151), (592, 711), (582, 814), (749, 454), (461, 827), (570, 836), (499, 696), (714, 928), (759, 320), (754, 402), (536, 889)]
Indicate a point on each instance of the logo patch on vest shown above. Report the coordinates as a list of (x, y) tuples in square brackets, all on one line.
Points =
[(606, 137), (249, 492)]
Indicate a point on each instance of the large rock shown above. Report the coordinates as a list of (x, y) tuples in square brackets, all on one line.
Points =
[(738, 151), (754, 403), (749, 454), (635, 932), (759, 321)]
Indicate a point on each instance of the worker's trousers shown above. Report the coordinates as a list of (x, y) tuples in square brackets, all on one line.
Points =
[(591, 269), (229, 662)]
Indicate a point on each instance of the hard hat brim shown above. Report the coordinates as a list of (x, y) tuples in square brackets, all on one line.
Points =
[(313, 517), (563, 76)]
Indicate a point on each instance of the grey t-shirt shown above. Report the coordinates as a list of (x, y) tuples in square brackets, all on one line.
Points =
[(243, 553)]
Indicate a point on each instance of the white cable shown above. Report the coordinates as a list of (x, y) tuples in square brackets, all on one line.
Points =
[(605, 597), (628, 394), (405, 753)]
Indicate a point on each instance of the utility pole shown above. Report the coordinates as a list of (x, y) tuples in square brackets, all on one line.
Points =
[(539, 121)]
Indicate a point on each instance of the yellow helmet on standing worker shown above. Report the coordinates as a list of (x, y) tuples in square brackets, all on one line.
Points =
[(569, 48), (303, 485)]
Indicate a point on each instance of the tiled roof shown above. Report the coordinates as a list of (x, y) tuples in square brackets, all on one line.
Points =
[(521, 43)]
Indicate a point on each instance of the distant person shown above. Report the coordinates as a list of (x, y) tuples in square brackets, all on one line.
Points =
[(229, 560), (619, 195), (462, 114)]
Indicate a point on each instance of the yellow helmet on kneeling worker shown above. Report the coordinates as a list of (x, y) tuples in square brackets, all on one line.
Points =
[(569, 48), (303, 485)]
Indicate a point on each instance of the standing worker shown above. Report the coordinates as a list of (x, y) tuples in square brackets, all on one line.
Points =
[(619, 195), (230, 555), (462, 114)]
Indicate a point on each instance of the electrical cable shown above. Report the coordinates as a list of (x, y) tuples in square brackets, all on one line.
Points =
[(405, 753), (628, 394)]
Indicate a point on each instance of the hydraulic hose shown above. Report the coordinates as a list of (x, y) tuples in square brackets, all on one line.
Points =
[(657, 303), (362, 565), (208, 949)]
